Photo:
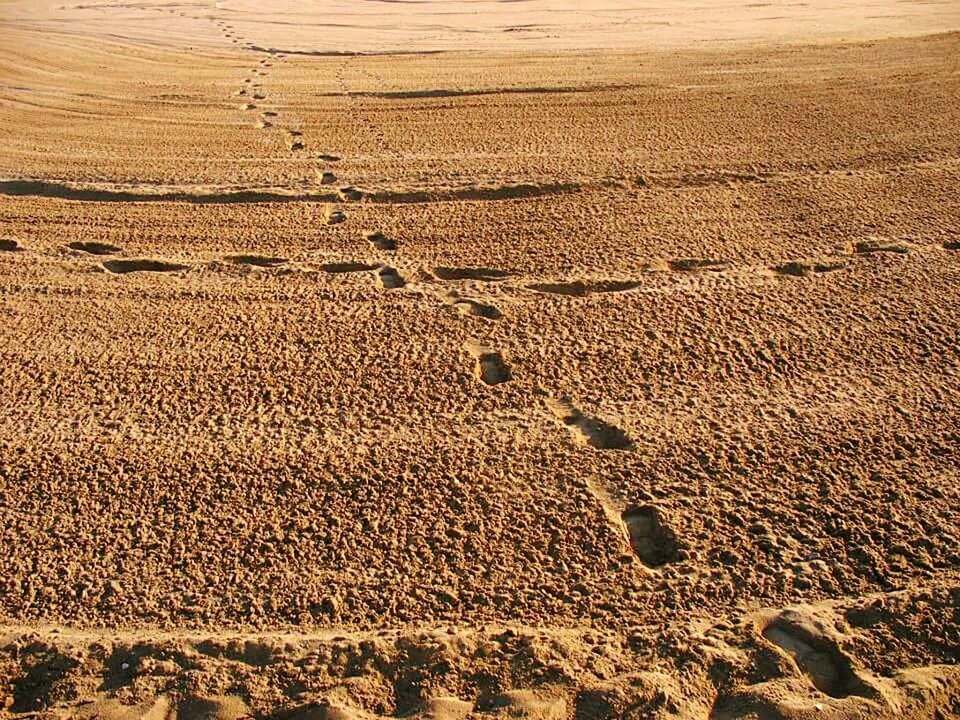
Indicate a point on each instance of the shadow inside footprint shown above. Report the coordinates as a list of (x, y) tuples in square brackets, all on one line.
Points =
[(473, 308), (475, 273), (652, 541), (348, 267), (582, 289), (818, 656), (695, 264), (389, 278), (798, 268), (381, 241), (491, 368), (590, 431), (8, 245), (880, 245), (351, 194), (256, 260), (143, 265), (94, 248), (335, 217)]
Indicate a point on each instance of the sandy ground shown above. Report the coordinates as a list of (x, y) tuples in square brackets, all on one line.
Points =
[(562, 383)]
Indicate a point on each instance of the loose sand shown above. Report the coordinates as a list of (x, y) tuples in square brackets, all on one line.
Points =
[(604, 367)]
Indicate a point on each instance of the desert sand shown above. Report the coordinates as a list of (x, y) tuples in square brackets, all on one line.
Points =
[(446, 360)]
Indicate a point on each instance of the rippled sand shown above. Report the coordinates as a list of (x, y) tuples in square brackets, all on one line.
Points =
[(446, 360)]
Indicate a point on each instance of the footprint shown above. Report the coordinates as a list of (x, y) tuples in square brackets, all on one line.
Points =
[(389, 278), (582, 289), (295, 144), (268, 114), (485, 274), (695, 264), (381, 241), (798, 268), (256, 260), (815, 654), (528, 704), (348, 267), (952, 245), (351, 194), (327, 178), (248, 106), (880, 245), (651, 539), (263, 124), (259, 96), (143, 265), (589, 431), (491, 368), (8, 245), (241, 91), (328, 158), (94, 248), (334, 217), (473, 308)]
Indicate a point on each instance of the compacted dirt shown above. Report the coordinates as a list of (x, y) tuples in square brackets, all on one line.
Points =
[(570, 384)]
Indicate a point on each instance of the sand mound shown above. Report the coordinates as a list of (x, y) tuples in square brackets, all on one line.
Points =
[(786, 663)]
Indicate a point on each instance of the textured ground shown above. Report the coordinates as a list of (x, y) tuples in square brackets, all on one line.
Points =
[(551, 385)]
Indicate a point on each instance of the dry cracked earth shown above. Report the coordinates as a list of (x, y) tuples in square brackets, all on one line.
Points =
[(496, 385)]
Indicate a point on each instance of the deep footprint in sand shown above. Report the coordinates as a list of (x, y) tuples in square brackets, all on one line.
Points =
[(142, 265), (586, 430), (347, 267), (381, 241), (350, 194), (881, 245), (334, 217), (650, 537), (94, 248), (490, 368), (256, 260), (471, 273), (8, 245), (389, 278), (582, 289), (327, 178), (698, 264), (474, 308), (800, 268), (815, 654), (952, 245)]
